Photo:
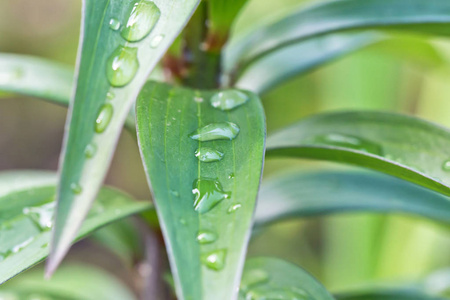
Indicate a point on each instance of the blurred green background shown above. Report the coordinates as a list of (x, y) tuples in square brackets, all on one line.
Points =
[(409, 75)]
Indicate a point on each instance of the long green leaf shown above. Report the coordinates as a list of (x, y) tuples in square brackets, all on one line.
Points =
[(336, 16), (165, 117), (398, 294), (403, 146), (303, 193), (271, 278), (26, 211), (112, 67), (280, 65), (71, 282)]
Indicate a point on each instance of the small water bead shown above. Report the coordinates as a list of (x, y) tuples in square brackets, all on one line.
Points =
[(348, 141), (206, 237), (183, 221), (142, 18), (216, 131), (76, 188), (90, 150), (206, 154), (104, 117), (208, 193), (446, 166), (214, 260), (41, 215), (156, 40), (114, 24), (231, 176), (110, 95), (121, 66), (198, 99), (22, 245), (234, 208), (174, 193), (228, 99), (254, 277)]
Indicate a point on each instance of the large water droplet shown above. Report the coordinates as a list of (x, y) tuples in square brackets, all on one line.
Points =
[(41, 216), (348, 141), (214, 260), (156, 40), (446, 166), (206, 154), (114, 24), (121, 66), (76, 188), (90, 150), (206, 237), (216, 131), (103, 118), (142, 18), (254, 277), (228, 99), (208, 193)]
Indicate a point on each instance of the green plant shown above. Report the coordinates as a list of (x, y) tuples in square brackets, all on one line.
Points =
[(202, 138)]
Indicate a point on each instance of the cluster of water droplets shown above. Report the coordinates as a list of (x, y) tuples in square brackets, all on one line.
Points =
[(208, 192)]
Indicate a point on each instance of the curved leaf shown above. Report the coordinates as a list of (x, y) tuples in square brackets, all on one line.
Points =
[(211, 268), (112, 67), (402, 146), (69, 283), (387, 295), (315, 193), (26, 211), (335, 16), (280, 65), (271, 278)]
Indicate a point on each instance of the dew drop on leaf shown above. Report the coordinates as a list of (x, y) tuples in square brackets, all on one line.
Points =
[(114, 24), (214, 260), (103, 118), (446, 165), (41, 216), (206, 154), (90, 150), (206, 237), (76, 188), (121, 66), (208, 193), (156, 40), (174, 193), (216, 131), (110, 95), (233, 208), (228, 99), (142, 18)]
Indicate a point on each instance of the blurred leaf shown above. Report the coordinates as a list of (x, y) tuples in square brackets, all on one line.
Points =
[(36, 77), (387, 295), (285, 63), (112, 67), (209, 269), (26, 213), (429, 16), (271, 278), (70, 282), (402, 146), (315, 193)]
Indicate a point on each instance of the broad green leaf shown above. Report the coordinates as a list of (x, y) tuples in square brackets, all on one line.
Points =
[(431, 16), (301, 193), (398, 294), (70, 282), (26, 212), (221, 220), (280, 65), (120, 43), (272, 278), (399, 145), (35, 76)]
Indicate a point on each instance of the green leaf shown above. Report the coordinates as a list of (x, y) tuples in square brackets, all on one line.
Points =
[(166, 118), (398, 145), (35, 76), (303, 193), (394, 294), (271, 278), (69, 283), (431, 16), (112, 67), (286, 62), (26, 211)]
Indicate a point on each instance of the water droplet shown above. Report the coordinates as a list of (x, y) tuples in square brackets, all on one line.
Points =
[(90, 150), (348, 141), (110, 95), (76, 188), (114, 24), (44, 245), (231, 176), (228, 99), (156, 40), (206, 154), (446, 165), (198, 99), (206, 237), (234, 208), (183, 221), (22, 245), (254, 277), (41, 216), (216, 131), (122, 66), (175, 193), (103, 118), (143, 16), (214, 260), (208, 193)]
